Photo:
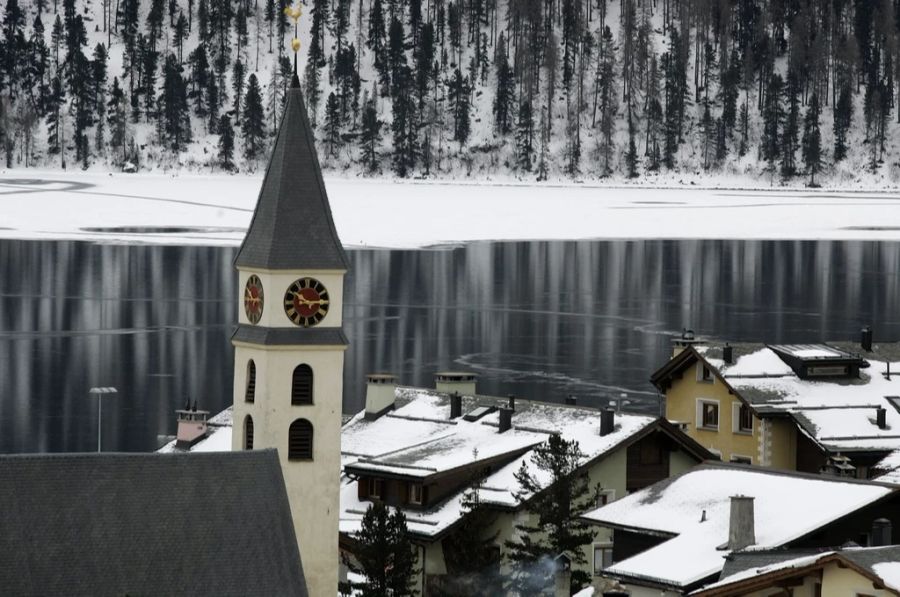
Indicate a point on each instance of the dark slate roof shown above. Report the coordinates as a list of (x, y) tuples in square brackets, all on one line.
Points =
[(292, 226), (146, 524), (289, 336)]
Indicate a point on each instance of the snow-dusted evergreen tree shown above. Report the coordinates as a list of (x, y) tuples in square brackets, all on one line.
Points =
[(812, 140), (253, 122), (384, 555), (226, 143)]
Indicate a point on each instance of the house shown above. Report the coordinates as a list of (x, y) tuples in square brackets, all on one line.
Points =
[(672, 538), (808, 407), (146, 524), (420, 450), (872, 571)]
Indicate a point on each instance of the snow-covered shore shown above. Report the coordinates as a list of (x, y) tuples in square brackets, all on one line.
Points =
[(215, 210)]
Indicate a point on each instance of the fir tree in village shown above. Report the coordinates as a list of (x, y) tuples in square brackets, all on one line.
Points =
[(553, 526), (384, 555)]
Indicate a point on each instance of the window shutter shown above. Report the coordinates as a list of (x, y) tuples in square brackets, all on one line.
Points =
[(300, 440), (250, 394), (302, 385), (248, 433)]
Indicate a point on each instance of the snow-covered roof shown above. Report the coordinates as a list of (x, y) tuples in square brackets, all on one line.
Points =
[(218, 436), (838, 413), (880, 562), (436, 444), (887, 470), (676, 507)]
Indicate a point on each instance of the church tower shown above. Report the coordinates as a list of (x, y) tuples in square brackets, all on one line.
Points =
[(289, 344)]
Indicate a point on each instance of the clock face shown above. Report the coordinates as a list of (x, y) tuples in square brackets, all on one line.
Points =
[(306, 302), (253, 299)]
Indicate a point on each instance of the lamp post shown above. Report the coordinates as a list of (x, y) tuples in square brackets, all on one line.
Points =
[(100, 392)]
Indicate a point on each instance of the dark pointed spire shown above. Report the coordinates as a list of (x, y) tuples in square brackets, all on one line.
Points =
[(292, 227)]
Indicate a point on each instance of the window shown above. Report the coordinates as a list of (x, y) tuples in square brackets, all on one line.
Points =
[(605, 496), (602, 556), (415, 493), (302, 385), (707, 414), (742, 418), (250, 393), (376, 488), (300, 440), (738, 459), (248, 432), (704, 373)]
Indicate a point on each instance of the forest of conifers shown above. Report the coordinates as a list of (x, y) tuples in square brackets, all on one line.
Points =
[(409, 88)]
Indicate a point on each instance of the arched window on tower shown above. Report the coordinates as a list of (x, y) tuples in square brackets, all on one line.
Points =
[(248, 432), (300, 440), (250, 393), (302, 385)]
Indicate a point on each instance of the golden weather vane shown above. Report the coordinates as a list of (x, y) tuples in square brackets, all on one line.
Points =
[(294, 14)]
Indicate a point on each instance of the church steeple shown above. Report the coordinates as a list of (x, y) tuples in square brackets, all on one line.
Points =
[(292, 227), (289, 343)]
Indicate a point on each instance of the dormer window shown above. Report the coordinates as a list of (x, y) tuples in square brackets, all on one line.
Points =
[(704, 373), (415, 493), (376, 488)]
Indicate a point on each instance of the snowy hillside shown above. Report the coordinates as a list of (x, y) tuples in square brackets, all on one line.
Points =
[(485, 89)]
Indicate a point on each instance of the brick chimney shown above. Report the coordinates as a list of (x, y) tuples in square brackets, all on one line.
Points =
[(607, 421), (455, 381), (741, 526), (379, 394), (505, 419), (191, 426)]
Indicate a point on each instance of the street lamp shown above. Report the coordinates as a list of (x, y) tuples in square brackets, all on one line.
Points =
[(100, 392)]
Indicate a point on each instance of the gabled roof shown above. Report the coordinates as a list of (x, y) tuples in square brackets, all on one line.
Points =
[(691, 512), (838, 414), (147, 524), (746, 572), (292, 227)]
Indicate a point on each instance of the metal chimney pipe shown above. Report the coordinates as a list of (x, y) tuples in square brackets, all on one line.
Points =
[(881, 417), (866, 339), (728, 354), (741, 527), (505, 415), (607, 421)]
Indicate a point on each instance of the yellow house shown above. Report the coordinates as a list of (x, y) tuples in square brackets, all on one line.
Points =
[(852, 572), (808, 407)]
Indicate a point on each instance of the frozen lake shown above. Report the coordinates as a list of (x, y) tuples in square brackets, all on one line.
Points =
[(216, 210)]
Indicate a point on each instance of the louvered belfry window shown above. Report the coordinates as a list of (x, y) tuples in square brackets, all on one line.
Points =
[(302, 385), (300, 440), (248, 433), (250, 394)]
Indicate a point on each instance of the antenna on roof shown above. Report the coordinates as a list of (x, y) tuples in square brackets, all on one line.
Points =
[(294, 14)]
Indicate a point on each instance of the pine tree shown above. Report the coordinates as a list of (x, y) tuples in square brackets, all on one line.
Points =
[(174, 111), (772, 117), (708, 129), (98, 78), (199, 80), (332, 124), (180, 35), (38, 85), (253, 125), (525, 136), (558, 495), (812, 140), (631, 157), (54, 118), (458, 92), (384, 554), (118, 121), (503, 96), (237, 84), (606, 101), (371, 135), (791, 128), (843, 117), (226, 143)]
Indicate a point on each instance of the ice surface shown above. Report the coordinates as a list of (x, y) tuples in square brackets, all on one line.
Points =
[(215, 210)]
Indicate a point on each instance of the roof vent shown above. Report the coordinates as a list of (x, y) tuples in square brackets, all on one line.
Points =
[(607, 421), (865, 339), (728, 354), (455, 405), (505, 419)]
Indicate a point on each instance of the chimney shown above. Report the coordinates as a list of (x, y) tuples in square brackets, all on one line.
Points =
[(455, 405), (728, 354), (881, 417), (881, 533), (741, 530), (511, 401), (505, 419), (687, 339), (379, 394), (607, 421), (866, 339), (191, 426), (571, 400), (455, 381), (562, 576)]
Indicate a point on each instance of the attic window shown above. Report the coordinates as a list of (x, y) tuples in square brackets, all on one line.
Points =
[(415, 493), (376, 488), (704, 373)]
